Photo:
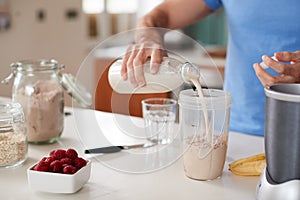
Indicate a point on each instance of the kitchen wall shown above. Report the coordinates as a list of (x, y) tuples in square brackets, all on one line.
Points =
[(44, 29), (59, 29), (210, 31)]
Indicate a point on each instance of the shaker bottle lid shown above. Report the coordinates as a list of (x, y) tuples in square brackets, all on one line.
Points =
[(76, 90)]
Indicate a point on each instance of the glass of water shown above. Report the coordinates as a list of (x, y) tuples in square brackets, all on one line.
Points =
[(159, 117)]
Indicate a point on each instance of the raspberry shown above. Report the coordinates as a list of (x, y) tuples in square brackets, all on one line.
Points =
[(42, 166), (67, 161), (51, 154), (71, 153), (79, 163), (69, 169), (61, 161), (49, 160), (56, 166), (44, 159), (59, 154)]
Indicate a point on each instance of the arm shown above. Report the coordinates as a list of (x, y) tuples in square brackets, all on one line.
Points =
[(174, 14), (290, 73), (171, 14)]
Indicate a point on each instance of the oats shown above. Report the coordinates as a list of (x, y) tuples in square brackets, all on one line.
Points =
[(13, 148)]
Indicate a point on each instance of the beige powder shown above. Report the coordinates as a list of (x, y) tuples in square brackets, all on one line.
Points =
[(43, 108), (13, 148), (209, 166)]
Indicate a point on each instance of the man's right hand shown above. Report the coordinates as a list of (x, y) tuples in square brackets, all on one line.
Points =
[(148, 47)]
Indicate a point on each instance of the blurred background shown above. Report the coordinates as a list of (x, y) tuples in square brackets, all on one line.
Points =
[(67, 30)]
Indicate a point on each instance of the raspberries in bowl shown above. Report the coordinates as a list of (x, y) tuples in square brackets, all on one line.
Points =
[(62, 171), (61, 161)]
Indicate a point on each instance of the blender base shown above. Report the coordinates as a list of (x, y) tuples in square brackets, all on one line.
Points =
[(289, 190)]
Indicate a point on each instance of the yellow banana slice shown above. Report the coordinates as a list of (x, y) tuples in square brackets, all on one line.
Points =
[(250, 166)]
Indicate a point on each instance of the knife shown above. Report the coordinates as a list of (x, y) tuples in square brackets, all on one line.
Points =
[(114, 149)]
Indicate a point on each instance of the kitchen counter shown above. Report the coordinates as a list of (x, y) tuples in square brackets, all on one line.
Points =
[(130, 180)]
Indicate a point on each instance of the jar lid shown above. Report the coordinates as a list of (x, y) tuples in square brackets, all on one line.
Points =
[(11, 113), (76, 90)]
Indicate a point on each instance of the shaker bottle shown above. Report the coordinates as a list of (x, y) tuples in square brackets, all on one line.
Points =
[(204, 125)]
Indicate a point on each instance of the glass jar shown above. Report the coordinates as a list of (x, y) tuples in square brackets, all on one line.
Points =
[(13, 141), (37, 88)]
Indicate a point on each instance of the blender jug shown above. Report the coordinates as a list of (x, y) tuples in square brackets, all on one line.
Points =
[(281, 179), (204, 125)]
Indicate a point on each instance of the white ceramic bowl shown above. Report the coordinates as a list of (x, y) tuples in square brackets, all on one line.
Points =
[(57, 182)]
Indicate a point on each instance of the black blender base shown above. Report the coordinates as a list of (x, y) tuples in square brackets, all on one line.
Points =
[(289, 190)]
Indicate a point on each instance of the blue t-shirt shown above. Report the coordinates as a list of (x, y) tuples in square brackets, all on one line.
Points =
[(255, 28)]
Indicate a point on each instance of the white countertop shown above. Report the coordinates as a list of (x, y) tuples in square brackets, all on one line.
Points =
[(168, 182)]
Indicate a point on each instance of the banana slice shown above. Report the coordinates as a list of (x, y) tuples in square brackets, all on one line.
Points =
[(250, 166)]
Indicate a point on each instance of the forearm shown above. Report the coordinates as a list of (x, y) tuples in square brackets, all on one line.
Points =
[(174, 14), (156, 18)]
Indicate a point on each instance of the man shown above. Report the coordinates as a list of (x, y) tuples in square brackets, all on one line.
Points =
[(256, 28)]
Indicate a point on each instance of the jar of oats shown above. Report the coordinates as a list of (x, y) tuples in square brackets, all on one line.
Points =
[(13, 140), (39, 87)]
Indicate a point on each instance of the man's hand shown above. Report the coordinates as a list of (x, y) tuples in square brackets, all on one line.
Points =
[(148, 46), (290, 73)]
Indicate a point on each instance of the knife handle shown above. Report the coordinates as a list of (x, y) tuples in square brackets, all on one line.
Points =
[(103, 150)]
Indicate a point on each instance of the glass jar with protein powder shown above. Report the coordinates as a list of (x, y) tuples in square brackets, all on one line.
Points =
[(39, 87)]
